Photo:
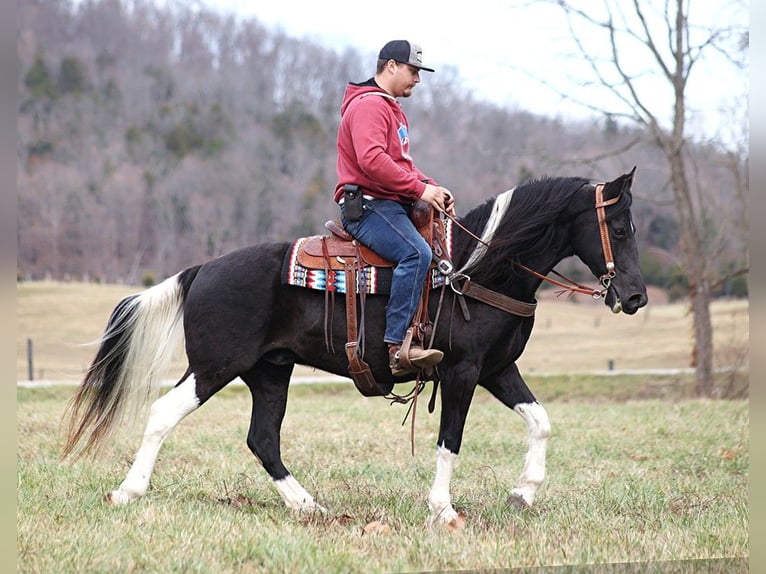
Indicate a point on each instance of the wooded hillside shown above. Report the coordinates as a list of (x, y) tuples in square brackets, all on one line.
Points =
[(151, 139)]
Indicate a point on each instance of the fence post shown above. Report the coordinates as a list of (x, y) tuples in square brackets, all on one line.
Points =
[(30, 363)]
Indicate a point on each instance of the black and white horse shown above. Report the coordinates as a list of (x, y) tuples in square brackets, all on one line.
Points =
[(237, 319)]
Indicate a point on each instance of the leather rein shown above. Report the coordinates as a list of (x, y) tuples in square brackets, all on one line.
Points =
[(567, 284)]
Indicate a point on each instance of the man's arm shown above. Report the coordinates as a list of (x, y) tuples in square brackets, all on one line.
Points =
[(370, 131)]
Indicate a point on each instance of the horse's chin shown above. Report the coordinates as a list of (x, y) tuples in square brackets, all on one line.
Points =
[(612, 301)]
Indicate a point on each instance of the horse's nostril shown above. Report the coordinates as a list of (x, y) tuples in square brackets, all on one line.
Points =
[(639, 300)]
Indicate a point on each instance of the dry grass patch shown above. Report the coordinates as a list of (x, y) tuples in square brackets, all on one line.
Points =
[(571, 335)]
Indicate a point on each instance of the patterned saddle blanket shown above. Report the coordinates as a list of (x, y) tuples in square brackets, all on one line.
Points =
[(318, 262)]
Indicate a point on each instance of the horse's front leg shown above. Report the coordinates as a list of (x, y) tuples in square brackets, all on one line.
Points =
[(456, 399), (512, 391)]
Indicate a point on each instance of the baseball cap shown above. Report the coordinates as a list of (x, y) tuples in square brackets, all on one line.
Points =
[(404, 52)]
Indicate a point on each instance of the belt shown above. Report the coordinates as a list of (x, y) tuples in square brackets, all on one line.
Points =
[(364, 196)]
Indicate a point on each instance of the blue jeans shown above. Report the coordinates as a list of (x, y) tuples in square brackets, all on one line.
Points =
[(387, 229)]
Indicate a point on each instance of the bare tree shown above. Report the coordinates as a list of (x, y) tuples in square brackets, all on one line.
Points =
[(633, 50)]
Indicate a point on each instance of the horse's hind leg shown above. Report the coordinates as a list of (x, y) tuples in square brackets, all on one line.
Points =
[(511, 390), (268, 385), (533, 473), (164, 414)]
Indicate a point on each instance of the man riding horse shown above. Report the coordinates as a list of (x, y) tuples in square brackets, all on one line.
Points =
[(378, 183)]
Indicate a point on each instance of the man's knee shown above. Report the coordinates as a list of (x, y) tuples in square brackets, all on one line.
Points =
[(425, 254)]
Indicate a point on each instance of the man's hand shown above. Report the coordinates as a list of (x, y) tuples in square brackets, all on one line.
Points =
[(449, 203), (440, 197)]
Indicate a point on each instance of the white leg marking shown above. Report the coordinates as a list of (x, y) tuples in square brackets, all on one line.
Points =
[(439, 500), (295, 496), (539, 430), (165, 413)]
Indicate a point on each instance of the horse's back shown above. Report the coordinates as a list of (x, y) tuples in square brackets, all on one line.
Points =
[(242, 277), (229, 305)]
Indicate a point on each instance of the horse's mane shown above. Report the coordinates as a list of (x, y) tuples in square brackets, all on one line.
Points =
[(528, 226)]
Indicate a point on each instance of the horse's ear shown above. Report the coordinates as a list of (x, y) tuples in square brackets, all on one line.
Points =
[(622, 184)]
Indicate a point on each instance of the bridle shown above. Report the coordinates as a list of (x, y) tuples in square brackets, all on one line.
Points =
[(606, 279), (567, 284)]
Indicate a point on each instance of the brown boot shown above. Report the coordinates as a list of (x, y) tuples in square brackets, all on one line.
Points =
[(417, 357)]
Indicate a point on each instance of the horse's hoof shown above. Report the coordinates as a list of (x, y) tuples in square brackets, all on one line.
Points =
[(118, 498), (457, 524), (310, 509), (517, 502)]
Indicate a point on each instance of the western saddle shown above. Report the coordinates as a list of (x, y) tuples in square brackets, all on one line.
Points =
[(340, 251)]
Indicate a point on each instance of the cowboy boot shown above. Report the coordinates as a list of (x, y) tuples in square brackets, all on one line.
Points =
[(416, 359)]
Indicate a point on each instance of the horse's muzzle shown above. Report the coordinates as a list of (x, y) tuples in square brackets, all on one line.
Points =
[(627, 305)]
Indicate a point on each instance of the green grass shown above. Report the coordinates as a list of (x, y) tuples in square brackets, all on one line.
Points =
[(637, 470), (630, 480)]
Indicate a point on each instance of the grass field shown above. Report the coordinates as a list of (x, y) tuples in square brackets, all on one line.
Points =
[(637, 470), (639, 480)]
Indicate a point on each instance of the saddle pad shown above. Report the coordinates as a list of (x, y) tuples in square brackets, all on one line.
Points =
[(377, 280), (295, 272)]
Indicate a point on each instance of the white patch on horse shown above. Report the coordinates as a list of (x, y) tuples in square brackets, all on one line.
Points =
[(164, 414), (538, 432), (439, 500), (295, 496), (499, 208)]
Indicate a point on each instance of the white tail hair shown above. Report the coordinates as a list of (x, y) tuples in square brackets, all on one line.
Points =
[(143, 334)]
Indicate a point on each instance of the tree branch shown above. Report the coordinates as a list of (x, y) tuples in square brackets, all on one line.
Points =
[(728, 276)]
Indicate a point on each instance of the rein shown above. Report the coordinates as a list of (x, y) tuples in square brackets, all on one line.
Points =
[(571, 285)]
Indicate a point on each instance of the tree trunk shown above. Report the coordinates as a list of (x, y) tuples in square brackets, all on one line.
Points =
[(695, 263), (694, 251), (703, 340)]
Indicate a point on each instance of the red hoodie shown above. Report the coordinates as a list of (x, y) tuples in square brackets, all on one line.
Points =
[(374, 146)]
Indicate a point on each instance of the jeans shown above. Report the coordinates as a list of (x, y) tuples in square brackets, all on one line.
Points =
[(387, 229)]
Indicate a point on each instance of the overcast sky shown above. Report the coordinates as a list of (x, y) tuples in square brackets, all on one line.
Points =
[(500, 46)]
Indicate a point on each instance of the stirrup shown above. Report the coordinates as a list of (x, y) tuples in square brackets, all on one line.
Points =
[(425, 363), (397, 369), (409, 358)]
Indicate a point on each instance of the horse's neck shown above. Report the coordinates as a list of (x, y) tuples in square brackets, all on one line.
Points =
[(545, 261), (490, 220), (523, 284)]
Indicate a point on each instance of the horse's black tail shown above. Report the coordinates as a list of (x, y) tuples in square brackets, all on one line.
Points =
[(140, 340)]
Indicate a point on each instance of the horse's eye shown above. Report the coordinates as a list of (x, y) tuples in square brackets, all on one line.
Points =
[(620, 232)]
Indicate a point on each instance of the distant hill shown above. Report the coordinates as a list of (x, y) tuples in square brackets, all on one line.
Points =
[(150, 139)]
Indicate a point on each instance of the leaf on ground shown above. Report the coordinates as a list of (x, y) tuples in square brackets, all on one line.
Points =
[(728, 454), (341, 520), (457, 524), (684, 504), (237, 501), (376, 527)]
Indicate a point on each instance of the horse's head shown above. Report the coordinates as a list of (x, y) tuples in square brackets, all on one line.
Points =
[(620, 273)]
